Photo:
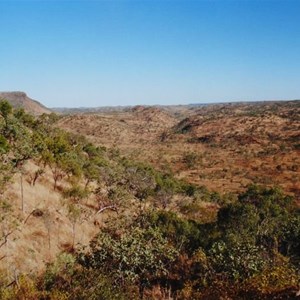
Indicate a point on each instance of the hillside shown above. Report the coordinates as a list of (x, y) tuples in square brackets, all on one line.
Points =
[(57, 190), (126, 130), (94, 221), (224, 147), (21, 100)]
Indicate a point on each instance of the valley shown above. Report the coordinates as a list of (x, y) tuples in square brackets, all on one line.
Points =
[(148, 202), (224, 147)]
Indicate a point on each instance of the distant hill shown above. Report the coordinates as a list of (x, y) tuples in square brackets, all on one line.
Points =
[(21, 100), (224, 146)]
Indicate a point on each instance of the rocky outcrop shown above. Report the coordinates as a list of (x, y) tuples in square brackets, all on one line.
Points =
[(21, 100)]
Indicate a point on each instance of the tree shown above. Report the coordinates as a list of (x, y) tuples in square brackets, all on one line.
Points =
[(8, 223), (74, 213), (252, 231), (240, 260), (138, 256), (289, 244), (6, 165), (258, 215), (75, 193), (4, 145), (91, 172), (63, 159), (34, 177), (5, 110), (48, 224), (190, 159)]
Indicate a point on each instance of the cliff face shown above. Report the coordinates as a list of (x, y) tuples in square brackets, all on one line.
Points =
[(21, 100)]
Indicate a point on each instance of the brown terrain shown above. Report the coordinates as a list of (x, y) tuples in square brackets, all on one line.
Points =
[(224, 147), (40, 226), (21, 100)]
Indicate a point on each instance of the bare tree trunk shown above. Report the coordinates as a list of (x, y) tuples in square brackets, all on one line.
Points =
[(6, 238), (2, 257), (6, 254), (111, 207), (73, 229), (28, 217), (36, 176), (49, 239), (55, 183), (48, 224), (87, 183), (22, 193)]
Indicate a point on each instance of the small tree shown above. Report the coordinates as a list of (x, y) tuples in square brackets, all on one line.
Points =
[(5, 110), (48, 224), (34, 177), (190, 159), (91, 173), (74, 214), (75, 193)]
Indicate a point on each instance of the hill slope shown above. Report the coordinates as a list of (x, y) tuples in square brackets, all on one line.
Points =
[(21, 100), (124, 230), (224, 147)]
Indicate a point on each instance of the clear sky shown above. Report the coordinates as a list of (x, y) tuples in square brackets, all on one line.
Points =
[(95, 53)]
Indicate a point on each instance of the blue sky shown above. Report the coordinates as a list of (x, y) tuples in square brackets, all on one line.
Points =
[(95, 53)]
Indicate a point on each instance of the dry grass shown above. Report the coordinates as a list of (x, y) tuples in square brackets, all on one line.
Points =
[(38, 238)]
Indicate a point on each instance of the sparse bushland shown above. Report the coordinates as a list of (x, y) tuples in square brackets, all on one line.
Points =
[(250, 252), (162, 237), (234, 144)]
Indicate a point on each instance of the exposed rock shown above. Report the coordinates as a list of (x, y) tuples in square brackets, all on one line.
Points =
[(21, 100)]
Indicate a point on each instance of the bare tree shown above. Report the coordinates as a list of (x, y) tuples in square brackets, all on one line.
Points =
[(74, 214), (48, 224)]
